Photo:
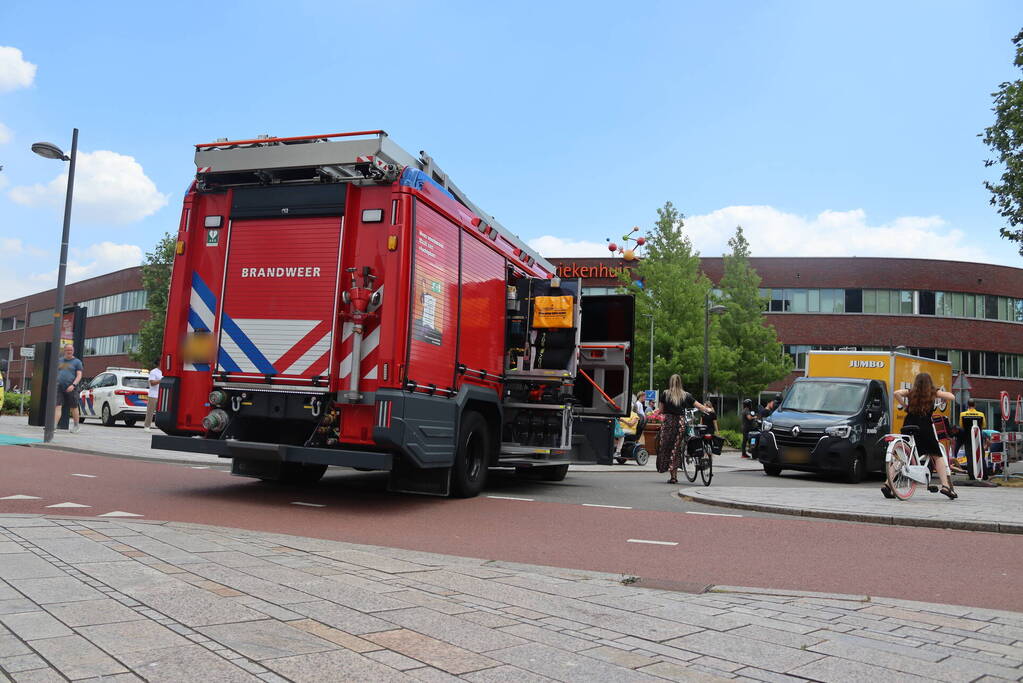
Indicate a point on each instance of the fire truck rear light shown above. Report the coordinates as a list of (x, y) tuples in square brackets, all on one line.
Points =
[(213, 221), (387, 372), (372, 215), (392, 242)]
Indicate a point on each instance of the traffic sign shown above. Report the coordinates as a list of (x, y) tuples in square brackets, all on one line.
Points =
[(27, 352), (1005, 405), (962, 383)]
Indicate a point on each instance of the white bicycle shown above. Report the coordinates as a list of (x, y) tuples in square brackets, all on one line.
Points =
[(903, 467)]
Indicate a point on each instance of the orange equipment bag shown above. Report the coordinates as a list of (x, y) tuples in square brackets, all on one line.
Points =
[(552, 311)]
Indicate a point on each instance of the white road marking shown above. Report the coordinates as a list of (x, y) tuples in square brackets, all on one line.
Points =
[(711, 514), (69, 505), (640, 540), (308, 505), (200, 467), (528, 500), (21, 497), (88, 476), (614, 507), (118, 513)]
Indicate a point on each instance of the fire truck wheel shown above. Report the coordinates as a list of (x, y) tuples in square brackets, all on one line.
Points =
[(469, 473)]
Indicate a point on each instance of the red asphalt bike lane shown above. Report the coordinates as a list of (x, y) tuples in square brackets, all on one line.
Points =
[(931, 565)]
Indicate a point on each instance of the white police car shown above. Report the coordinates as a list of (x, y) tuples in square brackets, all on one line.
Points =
[(116, 394)]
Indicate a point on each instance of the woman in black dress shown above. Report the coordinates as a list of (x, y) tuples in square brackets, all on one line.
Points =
[(920, 400), (674, 403)]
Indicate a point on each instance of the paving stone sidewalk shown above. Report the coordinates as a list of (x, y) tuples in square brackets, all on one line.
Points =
[(82, 598), (998, 509)]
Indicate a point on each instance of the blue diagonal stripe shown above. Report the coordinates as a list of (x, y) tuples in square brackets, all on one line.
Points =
[(245, 344), (226, 362), (204, 292), (201, 367), (195, 321)]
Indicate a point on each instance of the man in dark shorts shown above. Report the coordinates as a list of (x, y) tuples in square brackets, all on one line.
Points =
[(69, 375), (750, 423)]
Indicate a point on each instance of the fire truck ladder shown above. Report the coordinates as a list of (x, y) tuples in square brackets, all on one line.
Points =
[(358, 157)]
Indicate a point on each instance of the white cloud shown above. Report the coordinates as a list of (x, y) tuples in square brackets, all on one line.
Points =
[(109, 188), (5, 134), (772, 232), (13, 246), (549, 245), (15, 72), (96, 259)]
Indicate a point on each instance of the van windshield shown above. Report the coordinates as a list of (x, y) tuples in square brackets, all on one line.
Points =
[(825, 397)]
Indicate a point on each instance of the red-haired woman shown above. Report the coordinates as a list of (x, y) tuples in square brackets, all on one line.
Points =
[(919, 405)]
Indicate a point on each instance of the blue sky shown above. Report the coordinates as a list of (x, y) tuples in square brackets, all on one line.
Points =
[(821, 128)]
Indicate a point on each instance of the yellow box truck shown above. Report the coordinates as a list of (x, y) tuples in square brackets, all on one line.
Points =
[(835, 418)]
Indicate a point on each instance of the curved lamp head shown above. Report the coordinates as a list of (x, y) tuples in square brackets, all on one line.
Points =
[(49, 150), (717, 309)]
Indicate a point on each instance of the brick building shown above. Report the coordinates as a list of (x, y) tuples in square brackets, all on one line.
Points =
[(116, 305), (968, 313)]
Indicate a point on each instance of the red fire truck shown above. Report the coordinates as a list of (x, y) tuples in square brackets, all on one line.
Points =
[(337, 301)]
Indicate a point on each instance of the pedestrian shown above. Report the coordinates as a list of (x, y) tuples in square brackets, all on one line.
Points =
[(750, 423), (69, 374), (639, 405), (674, 430), (918, 403), (771, 406), (154, 393)]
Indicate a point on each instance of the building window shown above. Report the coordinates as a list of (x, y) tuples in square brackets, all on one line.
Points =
[(37, 318), (854, 301), (116, 345), (927, 302), (134, 300), (797, 301)]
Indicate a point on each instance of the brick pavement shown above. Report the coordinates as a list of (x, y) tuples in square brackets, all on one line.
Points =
[(998, 509), (83, 598)]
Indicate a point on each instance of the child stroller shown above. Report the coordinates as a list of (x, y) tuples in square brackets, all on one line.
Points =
[(631, 448)]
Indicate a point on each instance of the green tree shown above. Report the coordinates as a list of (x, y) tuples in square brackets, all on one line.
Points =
[(757, 358), (156, 275), (1005, 138), (674, 292)]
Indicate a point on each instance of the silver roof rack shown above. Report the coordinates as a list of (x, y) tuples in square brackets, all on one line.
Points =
[(358, 157)]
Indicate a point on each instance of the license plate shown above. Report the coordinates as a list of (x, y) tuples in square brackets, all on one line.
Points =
[(795, 455)]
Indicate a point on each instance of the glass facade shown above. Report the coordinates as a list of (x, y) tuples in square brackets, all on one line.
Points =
[(44, 317), (894, 302), (115, 303), (116, 345)]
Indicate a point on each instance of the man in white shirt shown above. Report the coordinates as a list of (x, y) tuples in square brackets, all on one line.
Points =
[(154, 392)]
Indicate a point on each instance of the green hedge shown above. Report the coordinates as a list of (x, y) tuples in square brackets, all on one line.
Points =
[(731, 437), (12, 401)]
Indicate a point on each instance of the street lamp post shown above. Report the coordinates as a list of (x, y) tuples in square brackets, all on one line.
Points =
[(707, 310), (50, 151), (650, 377)]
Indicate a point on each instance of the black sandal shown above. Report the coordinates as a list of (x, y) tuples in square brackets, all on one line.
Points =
[(673, 480), (887, 492), (946, 491)]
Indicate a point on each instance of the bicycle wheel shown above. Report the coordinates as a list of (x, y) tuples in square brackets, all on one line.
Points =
[(707, 471), (689, 465), (897, 458)]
